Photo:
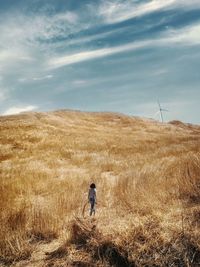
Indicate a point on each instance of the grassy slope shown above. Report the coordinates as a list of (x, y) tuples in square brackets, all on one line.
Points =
[(148, 181)]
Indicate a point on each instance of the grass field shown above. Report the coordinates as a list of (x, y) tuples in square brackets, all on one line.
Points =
[(148, 187)]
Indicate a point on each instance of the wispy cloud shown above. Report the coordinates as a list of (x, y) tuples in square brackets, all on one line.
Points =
[(186, 36), (79, 83), (6, 55), (189, 35), (16, 110), (88, 55), (39, 78), (32, 28), (46, 77), (117, 11), (31, 37)]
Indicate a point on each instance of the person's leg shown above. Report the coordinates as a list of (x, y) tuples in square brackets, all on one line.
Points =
[(92, 202), (93, 206)]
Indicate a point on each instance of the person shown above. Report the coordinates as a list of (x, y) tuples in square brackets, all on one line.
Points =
[(92, 197)]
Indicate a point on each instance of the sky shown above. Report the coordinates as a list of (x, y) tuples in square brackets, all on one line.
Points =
[(101, 55)]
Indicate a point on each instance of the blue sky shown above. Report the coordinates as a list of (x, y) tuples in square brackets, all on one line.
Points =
[(101, 55)]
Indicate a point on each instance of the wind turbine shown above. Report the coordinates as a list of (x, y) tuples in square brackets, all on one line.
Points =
[(160, 111)]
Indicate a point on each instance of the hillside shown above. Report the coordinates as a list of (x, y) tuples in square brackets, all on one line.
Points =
[(148, 190)]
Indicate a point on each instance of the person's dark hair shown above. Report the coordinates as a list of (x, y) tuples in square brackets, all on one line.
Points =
[(92, 185)]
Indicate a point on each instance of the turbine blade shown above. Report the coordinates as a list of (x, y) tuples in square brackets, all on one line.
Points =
[(158, 112), (159, 104)]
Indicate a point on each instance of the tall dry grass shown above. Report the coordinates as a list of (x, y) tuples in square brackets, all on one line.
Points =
[(148, 180)]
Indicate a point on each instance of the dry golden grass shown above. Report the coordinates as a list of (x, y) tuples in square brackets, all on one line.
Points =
[(148, 181)]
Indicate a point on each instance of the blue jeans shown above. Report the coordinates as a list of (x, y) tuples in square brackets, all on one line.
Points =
[(92, 207)]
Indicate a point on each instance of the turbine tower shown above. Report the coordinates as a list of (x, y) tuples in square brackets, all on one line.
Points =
[(160, 111)]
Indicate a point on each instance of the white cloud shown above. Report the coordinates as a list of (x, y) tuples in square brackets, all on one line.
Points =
[(16, 110), (159, 72), (25, 41), (68, 16), (79, 83), (117, 11), (46, 77), (37, 78), (22, 80), (29, 30), (186, 36), (25, 44), (88, 55), (7, 55)]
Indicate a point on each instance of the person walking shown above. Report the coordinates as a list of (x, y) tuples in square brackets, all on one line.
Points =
[(92, 197)]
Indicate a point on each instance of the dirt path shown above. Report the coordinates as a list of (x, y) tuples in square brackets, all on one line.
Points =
[(39, 255)]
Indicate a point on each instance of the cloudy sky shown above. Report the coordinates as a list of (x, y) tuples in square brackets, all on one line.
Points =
[(103, 55)]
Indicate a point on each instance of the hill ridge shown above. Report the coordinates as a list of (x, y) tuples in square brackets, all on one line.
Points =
[(147, 178)]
